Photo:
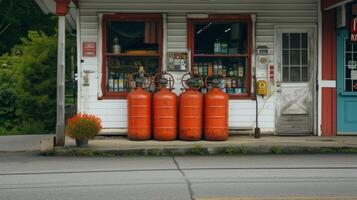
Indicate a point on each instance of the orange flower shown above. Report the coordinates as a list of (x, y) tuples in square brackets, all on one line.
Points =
[(83, 126)]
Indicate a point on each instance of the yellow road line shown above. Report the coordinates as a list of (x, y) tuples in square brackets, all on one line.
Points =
[(286, 198)]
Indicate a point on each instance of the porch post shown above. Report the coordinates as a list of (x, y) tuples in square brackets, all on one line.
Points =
[(61, 11)]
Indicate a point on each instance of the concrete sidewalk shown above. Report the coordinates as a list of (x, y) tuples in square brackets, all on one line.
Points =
[(235, 145), (105, 145), (21, 143)]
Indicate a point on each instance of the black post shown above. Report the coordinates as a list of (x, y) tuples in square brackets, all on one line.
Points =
[(257, 129)]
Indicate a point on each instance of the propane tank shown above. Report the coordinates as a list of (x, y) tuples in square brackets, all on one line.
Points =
[(139, 112), (165, 108), (216, 112), (190, 109)]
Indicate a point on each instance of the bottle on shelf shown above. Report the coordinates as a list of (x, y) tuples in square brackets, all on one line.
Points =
[(240, 70), (220, 67), (200, 68), (116, 83), (231, 71), (110, 82), (217, 46), (215, 68), (195, 68), (121, 83), (224, 48), (204, 69), (235, 70), (116, 46), (224, 70), (234, 83), (210, 68)]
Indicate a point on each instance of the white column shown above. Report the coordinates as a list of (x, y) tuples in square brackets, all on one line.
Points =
[(60, 138), (319, 68)]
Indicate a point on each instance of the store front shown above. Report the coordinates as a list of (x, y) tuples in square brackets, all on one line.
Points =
[(339, 97), (275, 42)]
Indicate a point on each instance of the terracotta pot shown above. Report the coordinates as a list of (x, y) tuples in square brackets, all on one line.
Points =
[(82, 142)]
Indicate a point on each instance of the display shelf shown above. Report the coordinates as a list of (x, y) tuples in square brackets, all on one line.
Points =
[(132, 55), (221, 55)]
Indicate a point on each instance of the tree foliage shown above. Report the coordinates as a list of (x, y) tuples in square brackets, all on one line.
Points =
[(17, 17), (36, 88), (8, 76)]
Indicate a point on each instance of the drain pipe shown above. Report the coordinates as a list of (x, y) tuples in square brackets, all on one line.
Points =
[(257, 129)]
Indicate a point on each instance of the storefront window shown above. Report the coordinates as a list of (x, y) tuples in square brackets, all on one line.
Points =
[(221, 45), (350, 67), (130, 43), (295, 57)]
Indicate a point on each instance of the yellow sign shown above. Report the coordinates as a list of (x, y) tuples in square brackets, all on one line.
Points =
[(262, 87)]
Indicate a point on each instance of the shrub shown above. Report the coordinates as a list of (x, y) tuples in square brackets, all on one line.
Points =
[(8, 80), (36, 84), (83, 126), (30, 127)]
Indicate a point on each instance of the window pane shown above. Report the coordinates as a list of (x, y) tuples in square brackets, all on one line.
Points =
[(285, 73), (347, 73), (348, 46), (294, 40), (348, 86), (136, 38), (348, 58), (304, 57), (304, 74), (295, 74), (286, 57), (285, 40), (221, 38), (304, 42), (295, 57)]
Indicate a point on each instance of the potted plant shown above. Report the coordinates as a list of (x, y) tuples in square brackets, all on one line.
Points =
[(83, 127)]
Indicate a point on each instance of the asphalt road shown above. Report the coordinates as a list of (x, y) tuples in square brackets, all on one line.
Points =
[(31, 177)]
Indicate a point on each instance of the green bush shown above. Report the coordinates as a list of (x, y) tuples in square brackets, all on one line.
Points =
[(8, 78), (28, 85), (36, 88)]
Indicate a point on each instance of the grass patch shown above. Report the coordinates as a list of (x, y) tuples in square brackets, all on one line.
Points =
[(243, 150), (198, 150), (351, 150), (230, 150), (276, 150), (155, 152)]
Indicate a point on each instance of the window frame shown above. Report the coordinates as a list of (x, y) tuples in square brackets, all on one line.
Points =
[(128, 17), (301, 65), (225, 18)]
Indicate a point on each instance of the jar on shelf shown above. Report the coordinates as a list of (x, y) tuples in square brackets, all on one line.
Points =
[(116, 46), (217, 46)]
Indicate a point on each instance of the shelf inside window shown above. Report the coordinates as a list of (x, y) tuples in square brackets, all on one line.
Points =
[(132, 55), (221, 55)]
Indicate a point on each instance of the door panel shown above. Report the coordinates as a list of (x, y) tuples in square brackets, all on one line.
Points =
[(346, 84), (294, 109)]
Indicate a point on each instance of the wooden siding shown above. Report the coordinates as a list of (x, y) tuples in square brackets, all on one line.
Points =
[(242, 112), (329, 67)]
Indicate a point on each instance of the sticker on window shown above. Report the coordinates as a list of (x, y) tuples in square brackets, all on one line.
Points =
[(352, 65), (354, 74)]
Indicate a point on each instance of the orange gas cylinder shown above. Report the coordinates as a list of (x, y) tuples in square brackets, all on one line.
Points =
[(190, 110), (165, 109), (216, 114), (139, 113)]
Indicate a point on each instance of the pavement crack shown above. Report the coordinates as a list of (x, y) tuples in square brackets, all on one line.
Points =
[(189, 184)]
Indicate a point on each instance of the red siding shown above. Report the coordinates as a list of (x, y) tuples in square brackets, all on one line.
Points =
[(329, 45), (328, 109), (328, 126)]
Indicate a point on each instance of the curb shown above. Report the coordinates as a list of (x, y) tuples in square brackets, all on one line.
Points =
[(200, 151)]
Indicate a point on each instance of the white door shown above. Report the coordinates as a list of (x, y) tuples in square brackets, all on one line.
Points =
[(295, 81)]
